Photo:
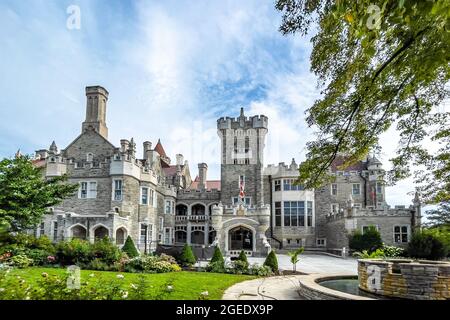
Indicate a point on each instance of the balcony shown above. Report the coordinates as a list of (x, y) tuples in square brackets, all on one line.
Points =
[(192, 218)]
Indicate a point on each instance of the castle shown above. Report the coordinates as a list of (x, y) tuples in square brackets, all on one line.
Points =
[(252, 208)]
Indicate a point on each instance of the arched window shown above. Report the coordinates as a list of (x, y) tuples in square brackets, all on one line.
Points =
[(90, 157)]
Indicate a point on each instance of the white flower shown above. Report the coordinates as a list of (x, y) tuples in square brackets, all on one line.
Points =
[(169, 288), (125, 295), (120, 276), (204, 293), (134, 286), (45, 274), (91, 275), (2, 289)]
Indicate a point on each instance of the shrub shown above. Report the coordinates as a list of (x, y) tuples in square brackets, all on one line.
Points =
[(217, 267), (75, 251), (21, 261), (240, 267), (272, 261), (150, 264), (129, 248), (393, 252), (426, 246), (262, 271), (106, 251), (187, 258), (369, 240), (243, 257)]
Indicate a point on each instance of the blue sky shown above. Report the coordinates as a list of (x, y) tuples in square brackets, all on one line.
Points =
[(171, 67)]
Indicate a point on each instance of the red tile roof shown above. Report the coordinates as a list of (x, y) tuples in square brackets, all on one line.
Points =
[(160, 149), (210, 184), (170, 170), (38, 163)]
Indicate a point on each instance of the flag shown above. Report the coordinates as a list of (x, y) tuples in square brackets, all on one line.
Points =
[(241, 187)]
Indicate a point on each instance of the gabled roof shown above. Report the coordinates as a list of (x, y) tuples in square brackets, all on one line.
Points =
[(160, 149)]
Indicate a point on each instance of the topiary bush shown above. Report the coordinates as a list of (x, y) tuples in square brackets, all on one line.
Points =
[(129, 248), (370, 240), (217, 263), (272, 261), (187, 257)]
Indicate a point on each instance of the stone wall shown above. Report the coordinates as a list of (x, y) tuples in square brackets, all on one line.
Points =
[(418, 280)]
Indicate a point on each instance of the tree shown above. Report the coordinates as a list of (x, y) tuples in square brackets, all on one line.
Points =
[(379, 63), (25, 195), (424, 245), (370, 240), (217, 257), (272, 261), (187, 258), (129, 248), (440, 216), (294, 257)]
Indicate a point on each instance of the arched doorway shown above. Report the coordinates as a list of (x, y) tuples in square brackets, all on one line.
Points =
[(79, 232), (120, 236), (240, 238), (100, 233), (197, 237), (181, 210)]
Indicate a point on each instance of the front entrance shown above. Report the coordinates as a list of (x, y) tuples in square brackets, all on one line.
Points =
[(240, 238)]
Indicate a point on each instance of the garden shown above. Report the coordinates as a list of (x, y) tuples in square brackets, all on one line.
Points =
[(37, 269)]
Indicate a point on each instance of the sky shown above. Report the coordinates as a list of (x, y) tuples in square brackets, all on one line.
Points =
[(172, 68)]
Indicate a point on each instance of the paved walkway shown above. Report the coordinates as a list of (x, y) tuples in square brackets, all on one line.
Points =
[(315, 263), (286, 287)]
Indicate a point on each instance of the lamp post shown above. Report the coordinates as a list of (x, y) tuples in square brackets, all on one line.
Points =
[(145, 223)]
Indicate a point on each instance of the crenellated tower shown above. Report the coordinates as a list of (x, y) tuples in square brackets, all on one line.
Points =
[(242, 149)]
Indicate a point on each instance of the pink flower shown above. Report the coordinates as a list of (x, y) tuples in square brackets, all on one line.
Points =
[(51, 259)]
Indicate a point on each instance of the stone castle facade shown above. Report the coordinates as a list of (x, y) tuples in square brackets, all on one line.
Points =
[(157, 202)]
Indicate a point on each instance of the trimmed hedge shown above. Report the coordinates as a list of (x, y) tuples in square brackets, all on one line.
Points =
[(272, 261), (129, 248), (187, 257)]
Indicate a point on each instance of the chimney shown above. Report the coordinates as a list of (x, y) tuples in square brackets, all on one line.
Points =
[(202, 171), (180, 159), (96, 98), (124, 145), (147, 150)]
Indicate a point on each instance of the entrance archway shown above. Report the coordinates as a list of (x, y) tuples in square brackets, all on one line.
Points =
[(100, 233), (79, 232), (240, 238), (120, 236)]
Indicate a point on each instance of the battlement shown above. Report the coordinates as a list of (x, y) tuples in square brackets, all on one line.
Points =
[(253, 122), (282, 169)]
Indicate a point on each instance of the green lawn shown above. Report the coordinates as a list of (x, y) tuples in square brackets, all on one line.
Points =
[(186, 285)]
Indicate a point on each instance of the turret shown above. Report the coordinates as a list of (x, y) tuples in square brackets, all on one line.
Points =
[(202, 173)]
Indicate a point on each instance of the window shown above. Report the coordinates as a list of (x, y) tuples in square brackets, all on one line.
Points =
[(41, 229), (334, 207), (92, 190), (247, 201), (277, 185), (321, 242), (167, 235), (294, 213), (83, 190), (89, 157), (55, 230), (152, 198), (379, 188), (288, 241), (309, 213), (400, 234), (117, 190), (87, 190), (144, 196), (356, 189), (288, 185), (357, 206), (143, 233), (161, 223), (170, 207), (278, 213), (334, 189), (150, 232)]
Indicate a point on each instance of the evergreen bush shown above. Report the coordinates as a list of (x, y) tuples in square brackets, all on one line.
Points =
[(370, 240), (272, 261), (187, 258), (129, 248)]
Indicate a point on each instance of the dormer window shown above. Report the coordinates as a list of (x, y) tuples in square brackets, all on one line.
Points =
[(90, 157)]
